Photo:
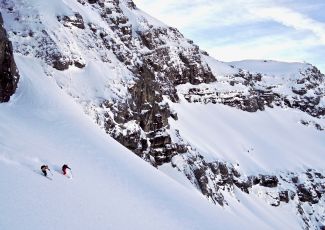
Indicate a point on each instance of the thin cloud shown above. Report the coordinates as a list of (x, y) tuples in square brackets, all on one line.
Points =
[(292, 19)]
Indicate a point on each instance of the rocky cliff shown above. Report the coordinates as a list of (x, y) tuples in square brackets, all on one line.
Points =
[(8, 71)]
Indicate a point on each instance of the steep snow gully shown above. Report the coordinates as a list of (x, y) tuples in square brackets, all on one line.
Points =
[(158, 134)]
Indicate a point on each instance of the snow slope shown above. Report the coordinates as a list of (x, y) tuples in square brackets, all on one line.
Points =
[(266, 141), (111, 188), (272, 68)]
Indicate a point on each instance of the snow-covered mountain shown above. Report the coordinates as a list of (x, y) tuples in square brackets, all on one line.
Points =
[(247, 135)]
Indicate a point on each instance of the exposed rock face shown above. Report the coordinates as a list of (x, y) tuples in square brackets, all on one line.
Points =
[(34, 39), (269, 181), (312, 124), (9, 75), (305, 191), (259, 93), (190, 69), (148, 111), (75, 20)]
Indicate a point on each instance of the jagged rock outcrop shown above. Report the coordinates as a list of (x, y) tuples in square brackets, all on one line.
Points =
[(149, 113), (259, 93), (75, 20), (9, 75), (305, 190)]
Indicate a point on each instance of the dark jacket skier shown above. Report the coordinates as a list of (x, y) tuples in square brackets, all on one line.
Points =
[(44, 168), (64, 169)]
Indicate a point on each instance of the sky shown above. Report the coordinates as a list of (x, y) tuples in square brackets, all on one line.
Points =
[(231, 30)]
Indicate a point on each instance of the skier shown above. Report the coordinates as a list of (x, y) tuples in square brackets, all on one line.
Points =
[(64, 169), (44, 168)]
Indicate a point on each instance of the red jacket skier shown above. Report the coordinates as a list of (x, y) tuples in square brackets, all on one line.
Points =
[(64, 169)]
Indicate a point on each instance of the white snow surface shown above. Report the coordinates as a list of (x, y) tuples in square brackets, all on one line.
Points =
[(219, 69), (265, 141), (272, 68)]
